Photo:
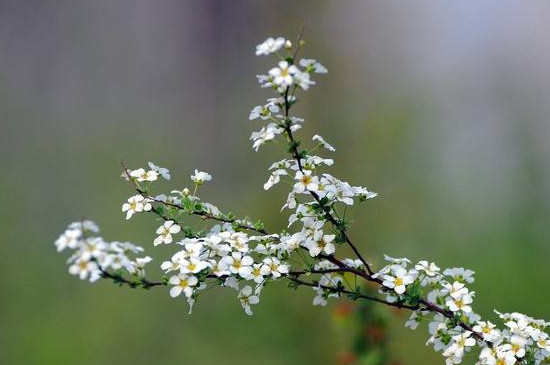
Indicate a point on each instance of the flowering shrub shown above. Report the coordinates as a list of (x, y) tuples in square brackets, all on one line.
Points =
[(241, 255)]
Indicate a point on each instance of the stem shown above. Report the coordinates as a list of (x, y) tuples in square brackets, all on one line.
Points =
[(296, 155), (358, 295), (368, 275), (144, 283), (293, 276)]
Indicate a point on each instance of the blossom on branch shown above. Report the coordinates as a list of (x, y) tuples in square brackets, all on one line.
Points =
[(218, 249)]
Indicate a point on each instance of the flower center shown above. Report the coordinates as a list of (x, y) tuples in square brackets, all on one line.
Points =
[(306, 179)]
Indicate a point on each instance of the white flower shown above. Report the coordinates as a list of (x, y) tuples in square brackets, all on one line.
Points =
[(136, 204), (455, 290), (182, 283), (364, 193), (172, 265), (219, 268), (142, 175), (70, 238), (305, 181), (85, 225), (460, 303), (303, 80), (246, 298), (114, 261), (505, 358), (200, 177), (414, 320), (398, 261), (487, 330), (320, 298), (269, 46), (191, 247), (274, 267), (239, 264), (192, 265), (274, 178), (138, 267), (355, 264), (183, 192), (430, 269), (322, 294), (231, 282), (459, 344), (495, 356), (460, 274), (265, 111), (164, 172), (282, 74), (313, 228), (345, 193), (93, 248), (265, 80), (516, 346), (543, 342), (258, 272), (323, 143), (165, 232), (265, 134), (84, 269), (399, 279), (125, 247), (313, 66), (237, 240), (322, 245)]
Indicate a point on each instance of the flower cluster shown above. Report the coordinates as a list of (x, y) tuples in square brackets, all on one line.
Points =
[(226, 257), (93, 256), (213, 248)]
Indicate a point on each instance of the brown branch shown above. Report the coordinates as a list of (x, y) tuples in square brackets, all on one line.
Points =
[(293, 276), (119, 279), (202, 214), (358, 295), (206, 215), (296, 155)]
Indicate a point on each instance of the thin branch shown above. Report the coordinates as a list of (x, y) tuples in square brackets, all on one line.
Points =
[(358, 295), (119, 279), (296, 155), (293, 276), (206, 215)]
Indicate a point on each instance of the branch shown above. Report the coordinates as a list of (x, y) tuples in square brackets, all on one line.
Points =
[(296, 155), (119, 279), (356, 294), (201, 214)]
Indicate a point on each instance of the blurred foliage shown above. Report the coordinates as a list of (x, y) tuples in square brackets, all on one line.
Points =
[(364, 333)]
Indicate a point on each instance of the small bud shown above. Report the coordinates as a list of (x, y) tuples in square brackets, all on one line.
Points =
[(186, 192), (288, 44)]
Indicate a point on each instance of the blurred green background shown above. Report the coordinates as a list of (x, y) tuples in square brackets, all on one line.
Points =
[(440, 107)]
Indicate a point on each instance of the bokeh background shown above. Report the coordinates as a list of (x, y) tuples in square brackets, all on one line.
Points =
[(440, 107)]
